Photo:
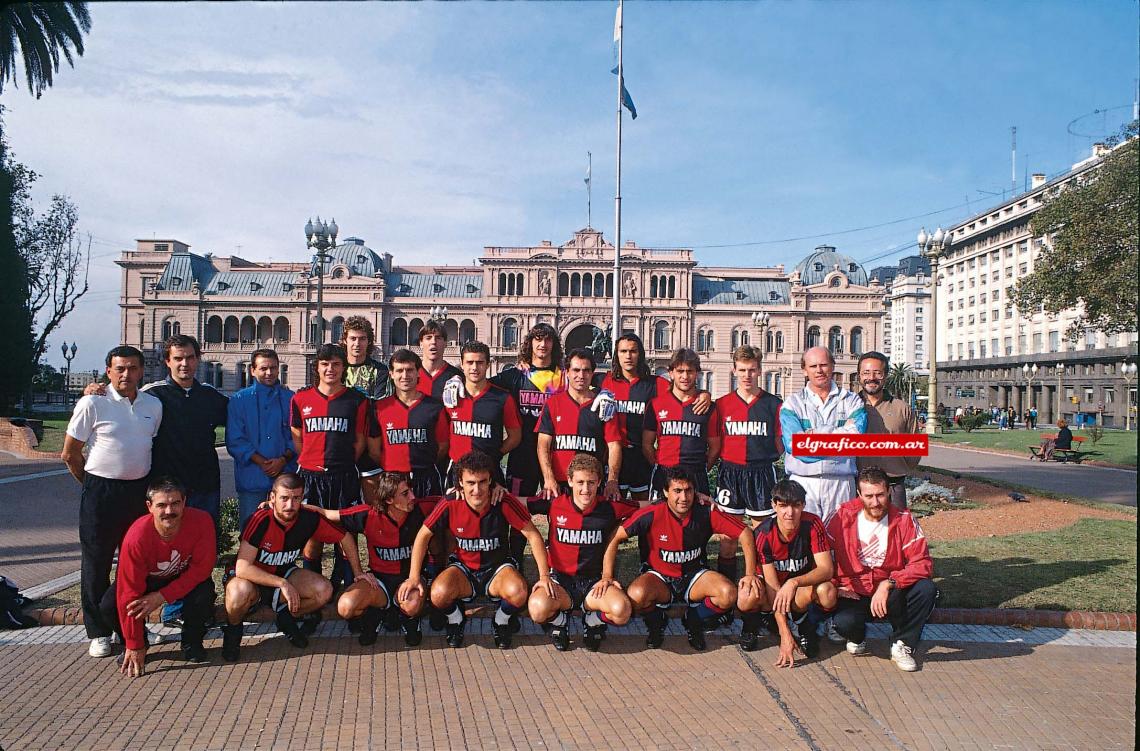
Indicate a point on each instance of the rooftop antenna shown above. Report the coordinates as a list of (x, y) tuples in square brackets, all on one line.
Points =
[(1013, 157)]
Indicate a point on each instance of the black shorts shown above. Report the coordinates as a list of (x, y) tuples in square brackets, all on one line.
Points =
[(267, 596), (522, 487), (635, 470), (335, 489), (480, 580), (427, 482), (745, 489), (697, 474), (679, 586), (576, 586)]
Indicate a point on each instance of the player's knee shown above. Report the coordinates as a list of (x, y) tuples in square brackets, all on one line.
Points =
[(322, 591), (827, 595), (724, 595), (441, 595), (541, 607), (619, 610), (514, 592)]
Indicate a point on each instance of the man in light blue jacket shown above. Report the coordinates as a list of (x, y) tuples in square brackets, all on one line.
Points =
[(258, 435)]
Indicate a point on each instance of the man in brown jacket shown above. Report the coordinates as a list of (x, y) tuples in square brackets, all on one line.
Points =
[(886, 414)]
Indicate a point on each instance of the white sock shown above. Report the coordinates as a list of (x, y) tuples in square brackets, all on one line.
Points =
[(593, 620), (559, 620), (455, 616), (501, 618)]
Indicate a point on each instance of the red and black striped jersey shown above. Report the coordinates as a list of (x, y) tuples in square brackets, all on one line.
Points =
[(389, 542), (432, 386), (576, 429), (577, 538), (410, 435), (531, 387), (682, 435), (480, 539), (279, 545), (795, 555), (633, 398), (329, 427), (677, 546), (477, 422), (750, 430)]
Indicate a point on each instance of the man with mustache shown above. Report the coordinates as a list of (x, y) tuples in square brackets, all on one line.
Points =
[(886, 414)]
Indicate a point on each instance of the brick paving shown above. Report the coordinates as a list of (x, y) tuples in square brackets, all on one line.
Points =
[(979, 687)]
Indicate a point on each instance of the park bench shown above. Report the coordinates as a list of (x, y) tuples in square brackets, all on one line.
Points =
[(1072, 455)]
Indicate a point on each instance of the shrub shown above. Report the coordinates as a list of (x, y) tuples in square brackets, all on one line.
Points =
[(1095, 433)]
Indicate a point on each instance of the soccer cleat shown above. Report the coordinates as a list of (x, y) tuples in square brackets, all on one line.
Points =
[(100, 647), (695, 629), (724, 619), (231, 642), (195, 653), (354, 625), (455, 633), (514, 623), (502, 635), (309, 623), (856, 648), (806, 638), (412, 633), (749, 640), (288, 626), (436, 619), (391, 619), (560, 636), (368, 624), (833, 635), (903, 657), (592, 637), (656, 621)]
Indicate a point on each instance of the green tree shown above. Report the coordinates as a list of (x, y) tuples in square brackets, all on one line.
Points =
[(1089, 257), (41, 32), (15, 322), (901, 380)]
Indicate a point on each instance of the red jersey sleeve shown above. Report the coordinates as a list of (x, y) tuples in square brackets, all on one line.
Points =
[(295, 413), (327, 532), (427, 505), (716, 429), (515, 512), (374, 421), (640, 522), (438, 521), (724, 524), (203, 556), (819, 541), (365, 419), (764, 550), (649, 421), (130, 584), (354, 518), (614, 431), (538, 505), (511, 418), (443, 428), (545, 424), (623, 510)]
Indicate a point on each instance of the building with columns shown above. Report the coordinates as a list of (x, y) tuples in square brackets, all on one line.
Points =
[(234, 306)]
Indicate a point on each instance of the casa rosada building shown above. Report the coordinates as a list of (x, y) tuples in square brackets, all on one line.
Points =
[(234, 306)]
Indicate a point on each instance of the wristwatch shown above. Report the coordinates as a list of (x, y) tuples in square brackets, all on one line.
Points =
[(894, 584)]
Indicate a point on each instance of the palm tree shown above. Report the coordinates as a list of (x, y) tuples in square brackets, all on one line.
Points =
[(901, 380), (41, 32)]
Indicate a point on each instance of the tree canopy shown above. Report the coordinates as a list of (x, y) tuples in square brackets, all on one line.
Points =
[(1089, 257), (41, 32)]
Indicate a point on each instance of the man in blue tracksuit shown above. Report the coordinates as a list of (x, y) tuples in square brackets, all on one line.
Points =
[(257, 433)]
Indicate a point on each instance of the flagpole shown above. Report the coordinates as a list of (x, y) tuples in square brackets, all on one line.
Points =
[(615, 331), (589, 189)]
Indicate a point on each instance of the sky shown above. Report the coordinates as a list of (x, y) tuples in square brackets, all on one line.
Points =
[(432, 130)]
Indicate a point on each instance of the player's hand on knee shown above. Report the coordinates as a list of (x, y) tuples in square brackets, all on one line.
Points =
[(748, 586), (451, 391), (785, 596), (410, 589), (602, 585), (370, 578), (292, 597)]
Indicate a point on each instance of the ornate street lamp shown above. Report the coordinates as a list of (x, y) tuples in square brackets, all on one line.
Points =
[(1030, 372), (320, 237), (932, 247), (438, 313), (760, 320), (68, 355), (1128, 370)]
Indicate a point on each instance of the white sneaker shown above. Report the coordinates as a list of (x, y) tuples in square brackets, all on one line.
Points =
[(857, 648), (100, 647), (833, 635), (154, 637), (903, 656)]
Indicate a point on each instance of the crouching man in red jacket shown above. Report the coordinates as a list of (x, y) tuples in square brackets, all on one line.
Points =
[(883, 569)]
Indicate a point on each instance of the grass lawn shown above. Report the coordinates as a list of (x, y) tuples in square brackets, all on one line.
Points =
[(1117, 446), (1090, 565)]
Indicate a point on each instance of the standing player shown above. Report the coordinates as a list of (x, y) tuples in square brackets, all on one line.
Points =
[(795, 569), (329, 422), (570, 424), (363, 372), (435, 372), (677, 532), (479, 412), (411, 431), (266, 570), (389, 519), (750, 426), (536, 377), (481, 565), (580, 525), (674, 435), (633, 386)]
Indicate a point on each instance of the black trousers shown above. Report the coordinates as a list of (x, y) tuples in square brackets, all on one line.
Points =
[(908, 610), (197, 607), (107, 508)]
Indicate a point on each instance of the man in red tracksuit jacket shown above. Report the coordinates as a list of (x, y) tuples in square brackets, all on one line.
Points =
[(883, 569), (165, 556)]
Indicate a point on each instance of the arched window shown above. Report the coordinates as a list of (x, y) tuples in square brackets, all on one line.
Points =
[(609, 285), (661, 335), (835, 340), (710, 339), (769, 341), (242, 371), (745, 338), (502, 284), (702, 341), (398, 333), (283, 374), (231, 330), (576, 285), (857, 341), (466, 331), (281, 333), (452, 329), (248, 329), (214, 330), (563, 283), (672, 287), (812, 337), (335, 329), (587, 285), (510, 336), (735, 339), (599, 285), (779, 341), (264, 329), (414, 327), (170, 327), (653, 286)]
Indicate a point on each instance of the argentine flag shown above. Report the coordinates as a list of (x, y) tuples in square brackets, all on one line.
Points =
[(626, 99)]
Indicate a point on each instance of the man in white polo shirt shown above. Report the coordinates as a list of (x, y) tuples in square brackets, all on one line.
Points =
[(119, 428)]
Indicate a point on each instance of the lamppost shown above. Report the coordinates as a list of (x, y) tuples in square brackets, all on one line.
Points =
[(68, 355), (1030, 372), (438, 313), (932, 247), (320, 237), (760, 320), (1129, 372), (1058, 370)]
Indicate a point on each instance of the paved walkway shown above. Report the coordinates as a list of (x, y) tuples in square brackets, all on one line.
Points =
[(979, 687), (1104, 484)]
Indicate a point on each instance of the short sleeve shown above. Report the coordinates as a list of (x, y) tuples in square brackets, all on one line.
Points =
[(373, 429), (442, 427), (365, 417), (640, 522), (82, 422), (255, 529), (649, 422), (514, 512), (327, 531), (614, 430), (545, 421), (723, 524), (819, 540), (353, 519), (511, 419), (716, 430), (438, 521), (295, 413)]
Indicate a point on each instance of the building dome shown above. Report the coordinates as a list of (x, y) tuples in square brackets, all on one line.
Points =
[(356, 256), (823, 260)]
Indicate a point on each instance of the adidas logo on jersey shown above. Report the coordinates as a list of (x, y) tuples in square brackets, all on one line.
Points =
[(561, 520)]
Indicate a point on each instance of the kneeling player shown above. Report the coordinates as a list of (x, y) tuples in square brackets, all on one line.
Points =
[(266, 570), (481, 565), (579, 527), (677, 532), (796, 567), (389, 519)]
